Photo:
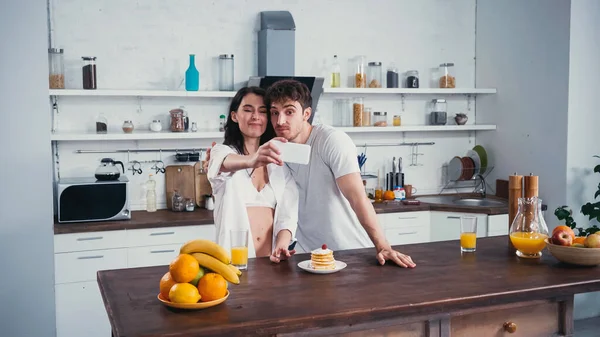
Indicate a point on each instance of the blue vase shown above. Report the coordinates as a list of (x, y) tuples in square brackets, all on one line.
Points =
[(192, 76)]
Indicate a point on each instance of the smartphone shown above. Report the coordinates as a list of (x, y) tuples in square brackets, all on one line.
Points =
[(292, 245), (294, 153)]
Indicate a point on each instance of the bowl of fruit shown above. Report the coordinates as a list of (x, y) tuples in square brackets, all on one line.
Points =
[(567, 248)]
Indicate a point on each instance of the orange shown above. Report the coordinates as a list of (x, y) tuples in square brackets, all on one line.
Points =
[(212, 287), (184, 268), (566, 228), (389, 195), (579, 239), (184, 293), (166, 282)]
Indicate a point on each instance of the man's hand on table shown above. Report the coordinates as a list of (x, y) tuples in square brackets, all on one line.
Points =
[(387, 253)]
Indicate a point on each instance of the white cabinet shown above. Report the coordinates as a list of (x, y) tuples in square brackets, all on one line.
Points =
[(151, 256), (83, 266), (80, 310), (497, 225), (405, 227), (446, 225)]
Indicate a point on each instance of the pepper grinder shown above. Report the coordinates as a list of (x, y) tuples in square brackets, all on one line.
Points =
[(515, 191)]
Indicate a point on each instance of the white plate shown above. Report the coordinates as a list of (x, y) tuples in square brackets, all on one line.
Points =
[(475, 156), (305, 265), (455, 169)]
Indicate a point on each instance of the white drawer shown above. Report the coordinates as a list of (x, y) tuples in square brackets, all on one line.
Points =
[(77, 242), (83, 266), (404, 219), (406, 235), (498, 223), (168, 235), (151, 256)]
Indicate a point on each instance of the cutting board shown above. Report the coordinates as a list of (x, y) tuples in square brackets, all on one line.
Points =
[(179, 178), (202, 186)]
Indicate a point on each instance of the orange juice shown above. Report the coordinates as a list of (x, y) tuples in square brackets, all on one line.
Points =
[(468, 240), (239, 256), (528, 243)]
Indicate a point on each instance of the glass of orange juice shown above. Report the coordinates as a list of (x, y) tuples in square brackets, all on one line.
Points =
[(239, 248), (468, 234)]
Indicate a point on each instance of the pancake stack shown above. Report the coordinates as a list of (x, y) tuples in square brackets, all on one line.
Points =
[(322, 258)]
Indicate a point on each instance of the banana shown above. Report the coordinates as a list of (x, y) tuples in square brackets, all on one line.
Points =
[(217, 266), (207, 247), (235, 269)]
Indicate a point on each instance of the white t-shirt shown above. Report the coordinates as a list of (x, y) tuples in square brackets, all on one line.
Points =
[(325, 215)]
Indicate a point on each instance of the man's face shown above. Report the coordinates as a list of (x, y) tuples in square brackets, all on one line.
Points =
[(289, 119)]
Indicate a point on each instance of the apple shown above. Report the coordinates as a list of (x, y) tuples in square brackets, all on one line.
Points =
[(592, 241), (562, 237), (201, 273)]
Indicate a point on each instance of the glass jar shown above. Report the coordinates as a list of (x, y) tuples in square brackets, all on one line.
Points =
[(366, 118), (89, 72), (156, 126), (397, 120), (360, 74), (56, 68), (392, 77), (439, 115), (412, 79), (226, 72), (375, 76), (127, 127), (101, 124), (379, 118), (177, 123), (358, 108), (177, 202), (528, 230), (446, 78), (190, 206), (222, 122), (194, 127)]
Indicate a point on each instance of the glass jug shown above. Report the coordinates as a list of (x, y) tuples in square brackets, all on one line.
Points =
[(528, 231)]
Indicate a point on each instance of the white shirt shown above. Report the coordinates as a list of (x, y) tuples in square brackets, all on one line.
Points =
[(326, 216), (230, 191)]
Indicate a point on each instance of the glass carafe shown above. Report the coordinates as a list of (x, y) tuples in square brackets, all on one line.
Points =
[(528, 230)]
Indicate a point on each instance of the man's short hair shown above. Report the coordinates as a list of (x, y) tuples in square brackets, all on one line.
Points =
[(289, 90)]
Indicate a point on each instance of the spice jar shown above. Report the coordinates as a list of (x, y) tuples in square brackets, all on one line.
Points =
[(89, 72), (156, 126), (360, 75), (189, 205), (226, 72), (447, 80), (101, 124), (56, 67), (194, 127), (412, 79), (177, 123), (438, 114), (366, 118), (375, 77), (397, 120), (392, 77), (379, 118), (357, 111), (177, 202), (127, 127), (222, 121)]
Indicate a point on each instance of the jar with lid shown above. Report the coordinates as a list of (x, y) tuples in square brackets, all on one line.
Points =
[(439, 114), (190, 206), (222, 122), (397, 120), (155, 126), (177, 123), (56, 67), (89, 72), (194, 127), (380, 118), (392, 77), (101, 124), (358, 108), (360, 74), (375, 76), (446, 78), (366, 119), (127, 127), (412, 79), (226, 72), (177, 202)]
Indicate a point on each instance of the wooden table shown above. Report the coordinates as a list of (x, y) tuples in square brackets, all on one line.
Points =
[(448, 294)]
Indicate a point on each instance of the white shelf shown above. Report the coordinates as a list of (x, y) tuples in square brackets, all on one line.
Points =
[(409, 91), (141, 93), (417, 128)]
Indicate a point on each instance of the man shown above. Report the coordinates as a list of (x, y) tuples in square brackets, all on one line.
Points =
[(334, 208)]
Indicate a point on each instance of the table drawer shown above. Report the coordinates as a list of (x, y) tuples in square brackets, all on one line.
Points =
[(82, 266), (538, 320), (168, 235), (77, 242), (151, 256)]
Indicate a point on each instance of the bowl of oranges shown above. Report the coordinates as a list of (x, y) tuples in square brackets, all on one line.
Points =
[(571, 249)]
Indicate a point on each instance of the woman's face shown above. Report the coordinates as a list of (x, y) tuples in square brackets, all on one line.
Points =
[(251, 116)]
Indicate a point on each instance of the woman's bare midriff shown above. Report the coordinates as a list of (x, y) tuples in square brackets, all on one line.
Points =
[(261, 229)]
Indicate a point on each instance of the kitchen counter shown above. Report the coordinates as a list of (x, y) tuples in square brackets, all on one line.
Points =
[(447, 294), (167, 218)]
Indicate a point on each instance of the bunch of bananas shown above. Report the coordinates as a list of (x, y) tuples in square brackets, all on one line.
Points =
[(212, 256)]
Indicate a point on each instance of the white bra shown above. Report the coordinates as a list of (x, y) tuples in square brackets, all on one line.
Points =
[(264, 198)]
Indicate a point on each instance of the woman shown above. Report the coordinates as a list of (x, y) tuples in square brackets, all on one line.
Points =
[(253, 191)]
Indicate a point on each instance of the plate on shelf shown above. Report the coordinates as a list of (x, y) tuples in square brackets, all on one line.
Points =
[(193, 306), (476, 160), (305, 265), (483, 157), (455, 169)]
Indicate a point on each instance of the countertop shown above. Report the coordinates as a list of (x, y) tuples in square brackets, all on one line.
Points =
[(167, 218), (282, 298)]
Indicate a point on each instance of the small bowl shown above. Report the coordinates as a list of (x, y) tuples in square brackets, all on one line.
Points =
[(461, 119), (182, 156), (574, 255), (194, 156)]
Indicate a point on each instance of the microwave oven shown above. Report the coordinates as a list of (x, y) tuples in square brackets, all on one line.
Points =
[(88, 199)]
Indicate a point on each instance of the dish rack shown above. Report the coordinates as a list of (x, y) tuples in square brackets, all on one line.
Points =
[(474, 182)]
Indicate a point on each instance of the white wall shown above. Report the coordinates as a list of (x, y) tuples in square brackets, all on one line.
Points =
[(584, 86), (523, 51), (145, 45), (26, 234)]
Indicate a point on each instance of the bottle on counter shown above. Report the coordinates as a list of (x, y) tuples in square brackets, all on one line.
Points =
[(192, 76), (222, 121), (150, 194), (335, 73)]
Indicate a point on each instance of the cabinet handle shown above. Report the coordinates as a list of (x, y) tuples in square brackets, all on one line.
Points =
[(162, 233), (90, 257), (90, 238), (406, 218), (407, 233), (510, 327), (162, 251), (454, 217)]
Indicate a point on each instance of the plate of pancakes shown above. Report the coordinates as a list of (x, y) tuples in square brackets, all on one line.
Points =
[(322, 262)]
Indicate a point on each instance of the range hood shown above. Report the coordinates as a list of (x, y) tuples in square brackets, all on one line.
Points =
[(276, 55)]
